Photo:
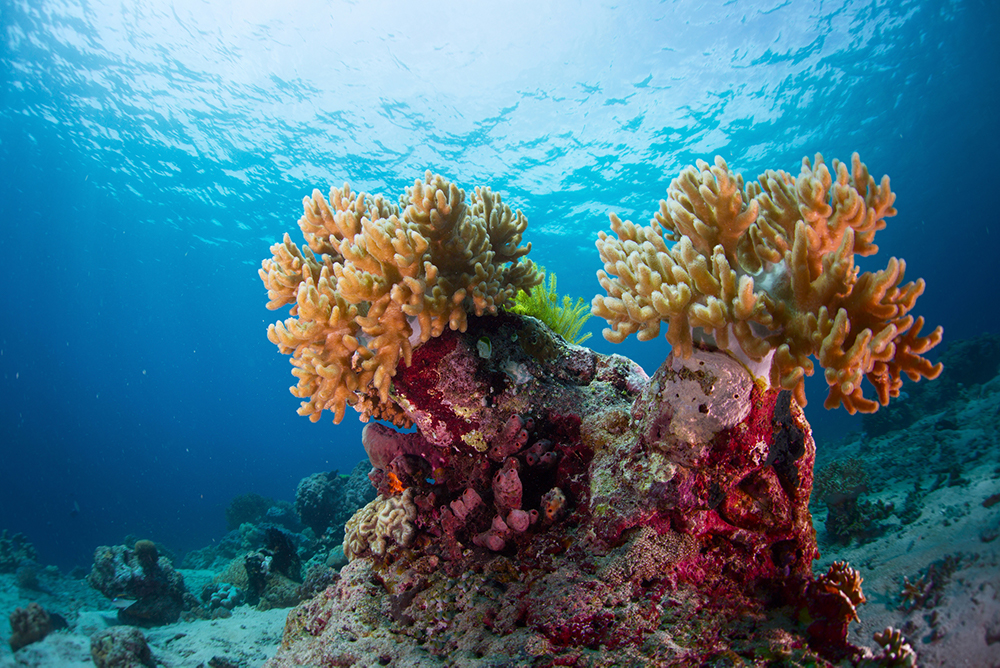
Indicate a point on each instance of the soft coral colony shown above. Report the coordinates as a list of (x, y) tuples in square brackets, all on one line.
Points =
[(767, 271), (383, 283), (557, 506)]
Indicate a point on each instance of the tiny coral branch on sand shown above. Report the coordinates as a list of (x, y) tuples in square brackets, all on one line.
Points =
[(766, 271), (373, 283)]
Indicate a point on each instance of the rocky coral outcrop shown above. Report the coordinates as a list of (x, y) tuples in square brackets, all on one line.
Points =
[(120, 647), (145, 582), (325, 501), (562, 508), (27, 625), (15, 551), (269, 577)]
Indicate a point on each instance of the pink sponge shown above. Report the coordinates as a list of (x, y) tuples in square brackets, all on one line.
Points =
[(507, 487)]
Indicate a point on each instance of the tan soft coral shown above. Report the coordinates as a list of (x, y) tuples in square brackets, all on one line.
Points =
[(372, 283), (767, 272)]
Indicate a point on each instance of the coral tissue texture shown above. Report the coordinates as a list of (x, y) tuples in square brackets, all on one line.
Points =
[(766, 270), (372, 283)]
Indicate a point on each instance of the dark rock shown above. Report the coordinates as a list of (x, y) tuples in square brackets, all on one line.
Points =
[(120, 647)]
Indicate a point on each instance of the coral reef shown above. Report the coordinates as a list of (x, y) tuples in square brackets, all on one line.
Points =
[(374, 283), (27, 578), (387, 519), (247, 538), (318, 578), (896, 652), (836, 596), (317, 500), (222, 596), (120, 647), (255, 509), (27, 625), (925, 591), (249, 507), (15, 551), (218, 555), (938, 553), (766, 270), (325, 501), (839, 485), (970, 362), (578, 512), (154, 593), (270, 576)]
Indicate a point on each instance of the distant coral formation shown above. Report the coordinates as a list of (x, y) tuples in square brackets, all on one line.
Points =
[(15, 551), (969, 364), (896, 651), (325, 501), (153, 591), (28, 625), (766, 270), (249, 507), (268, 577), (376, 280)]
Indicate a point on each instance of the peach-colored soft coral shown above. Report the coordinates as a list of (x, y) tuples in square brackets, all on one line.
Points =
[(372, 283), (766, 271)]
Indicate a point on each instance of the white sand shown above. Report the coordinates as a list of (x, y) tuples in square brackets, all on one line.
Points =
[(247, 639), (962, 628)]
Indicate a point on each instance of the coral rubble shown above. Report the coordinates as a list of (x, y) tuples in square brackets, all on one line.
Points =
[(766, 270), (577, 512)]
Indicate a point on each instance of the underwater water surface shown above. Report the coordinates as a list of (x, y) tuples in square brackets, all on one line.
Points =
[(151, 152)]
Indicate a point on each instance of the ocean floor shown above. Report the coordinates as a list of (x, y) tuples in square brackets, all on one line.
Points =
[(248, 638), (950, 557), (932, 567)]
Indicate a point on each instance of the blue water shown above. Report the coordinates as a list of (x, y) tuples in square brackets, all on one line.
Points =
[(150, 152)]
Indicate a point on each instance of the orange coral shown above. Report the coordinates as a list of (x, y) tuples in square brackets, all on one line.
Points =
[(373, 283), (844, 582), (766, 271)]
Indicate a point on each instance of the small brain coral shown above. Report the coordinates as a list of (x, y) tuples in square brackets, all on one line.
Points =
[(384, 520), (372, 283), (766, 271)]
